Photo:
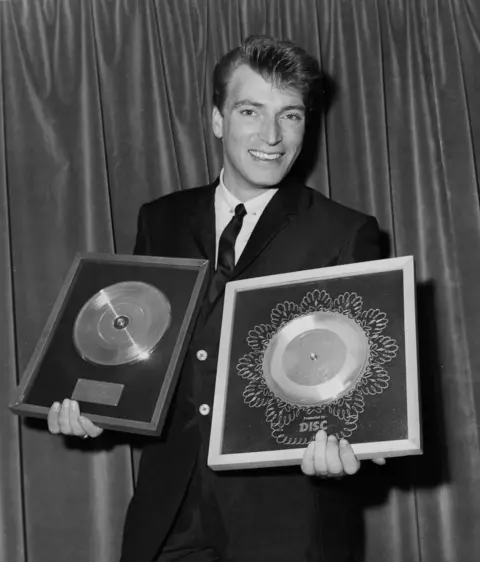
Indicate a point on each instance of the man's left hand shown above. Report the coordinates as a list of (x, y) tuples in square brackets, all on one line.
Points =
[(328, 457)]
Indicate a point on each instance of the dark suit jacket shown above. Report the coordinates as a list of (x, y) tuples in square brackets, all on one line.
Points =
[(268, 514)]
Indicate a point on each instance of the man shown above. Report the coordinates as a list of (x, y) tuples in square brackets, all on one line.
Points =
[(254, 220)]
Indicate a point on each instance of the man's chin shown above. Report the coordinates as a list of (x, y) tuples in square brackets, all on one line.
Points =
[(267, 179)]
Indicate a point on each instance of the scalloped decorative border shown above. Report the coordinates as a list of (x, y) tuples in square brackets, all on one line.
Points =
[(279, 414)]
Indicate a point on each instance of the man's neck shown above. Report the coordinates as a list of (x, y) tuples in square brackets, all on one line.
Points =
[(243, 192)]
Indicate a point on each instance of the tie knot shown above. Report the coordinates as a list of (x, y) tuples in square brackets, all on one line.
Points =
[(240, 210)]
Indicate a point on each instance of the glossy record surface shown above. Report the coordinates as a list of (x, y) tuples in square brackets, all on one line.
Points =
[(122, 323), (315, 358)]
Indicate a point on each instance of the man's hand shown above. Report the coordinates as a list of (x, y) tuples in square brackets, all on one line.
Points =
[(65, 418), (329, 458)]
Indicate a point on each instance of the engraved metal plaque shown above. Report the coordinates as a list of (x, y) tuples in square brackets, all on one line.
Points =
[(97, 392)]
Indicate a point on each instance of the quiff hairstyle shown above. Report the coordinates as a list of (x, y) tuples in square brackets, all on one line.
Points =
[(283, 63)]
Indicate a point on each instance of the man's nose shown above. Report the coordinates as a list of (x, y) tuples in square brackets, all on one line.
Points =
[(271, 132)]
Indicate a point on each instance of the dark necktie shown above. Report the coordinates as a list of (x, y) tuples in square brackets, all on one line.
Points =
[(226, 251)]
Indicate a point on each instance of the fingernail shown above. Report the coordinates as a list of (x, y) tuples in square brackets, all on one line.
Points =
[(56, 406), (66, 401), (74, 406), (321, 434), (332, 437), (343, 443)]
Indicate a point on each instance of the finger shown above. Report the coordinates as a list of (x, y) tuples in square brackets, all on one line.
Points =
[(334, 463), (349, 461), (64, 418), (308, 466), (89, 427), (320, 456), (52, 418), (380, 461), (74, 413)]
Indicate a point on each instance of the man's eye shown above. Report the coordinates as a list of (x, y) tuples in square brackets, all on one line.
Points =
[(247, 112), (293, 117)]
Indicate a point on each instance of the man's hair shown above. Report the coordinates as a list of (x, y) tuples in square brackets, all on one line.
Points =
[(283, 63)]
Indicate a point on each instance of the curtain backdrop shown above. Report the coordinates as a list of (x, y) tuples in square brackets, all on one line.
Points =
[(106, 104)]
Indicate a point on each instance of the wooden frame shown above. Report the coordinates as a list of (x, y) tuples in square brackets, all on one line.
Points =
[(381, 412), (132, 397)]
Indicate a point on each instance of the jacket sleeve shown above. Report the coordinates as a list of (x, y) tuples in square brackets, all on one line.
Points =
[(364, 245)]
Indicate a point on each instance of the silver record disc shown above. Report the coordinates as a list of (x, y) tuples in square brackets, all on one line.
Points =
[(121, 323), (316, 358)]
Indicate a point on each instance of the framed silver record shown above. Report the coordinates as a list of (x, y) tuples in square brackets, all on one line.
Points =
[(332, 348), (122, 323), (115, 340)]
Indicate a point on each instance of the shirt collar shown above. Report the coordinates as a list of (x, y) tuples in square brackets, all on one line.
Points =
[(253, 206)]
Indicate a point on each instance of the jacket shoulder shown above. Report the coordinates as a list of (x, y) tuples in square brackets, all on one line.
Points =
[(183, 199), (334, 210)]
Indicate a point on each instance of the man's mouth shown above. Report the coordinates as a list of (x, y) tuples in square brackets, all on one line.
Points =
[(267, 156)]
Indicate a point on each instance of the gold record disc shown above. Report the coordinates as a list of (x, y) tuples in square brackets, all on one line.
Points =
[(121, 323), (316, 358)]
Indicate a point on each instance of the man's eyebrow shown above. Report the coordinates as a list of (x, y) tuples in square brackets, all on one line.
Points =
[(248, 102), (298, 107), (294, 107)]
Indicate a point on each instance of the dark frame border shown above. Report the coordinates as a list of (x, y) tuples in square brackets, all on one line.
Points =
[(19, 405)]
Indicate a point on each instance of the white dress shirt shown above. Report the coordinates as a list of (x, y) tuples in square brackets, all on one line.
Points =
[(225, 203)]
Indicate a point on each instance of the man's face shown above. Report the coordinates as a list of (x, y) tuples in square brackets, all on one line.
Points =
[(262, 130)]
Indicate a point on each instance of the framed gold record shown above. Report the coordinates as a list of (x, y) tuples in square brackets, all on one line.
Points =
[(115, 340), (315, 358), (122, 323), (333, 349)]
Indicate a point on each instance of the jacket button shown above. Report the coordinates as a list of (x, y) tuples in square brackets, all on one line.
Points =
[(202, 355), (204, 409)]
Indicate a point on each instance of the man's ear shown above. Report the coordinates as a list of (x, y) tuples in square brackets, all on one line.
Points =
[(217, 123)]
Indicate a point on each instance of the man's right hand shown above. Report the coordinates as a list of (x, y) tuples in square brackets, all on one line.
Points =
[(66, 419)]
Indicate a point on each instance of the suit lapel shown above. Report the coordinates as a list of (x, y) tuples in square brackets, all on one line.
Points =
[(276, 216)]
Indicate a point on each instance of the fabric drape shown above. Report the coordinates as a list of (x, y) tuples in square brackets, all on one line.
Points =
[(106, 104)]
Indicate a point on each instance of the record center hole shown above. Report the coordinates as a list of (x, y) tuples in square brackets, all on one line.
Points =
[(121, 322)]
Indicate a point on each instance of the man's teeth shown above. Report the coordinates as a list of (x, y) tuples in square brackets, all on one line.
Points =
[(265, 155)]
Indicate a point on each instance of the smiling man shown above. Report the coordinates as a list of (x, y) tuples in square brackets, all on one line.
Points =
[(254, 220), (262, 128)]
